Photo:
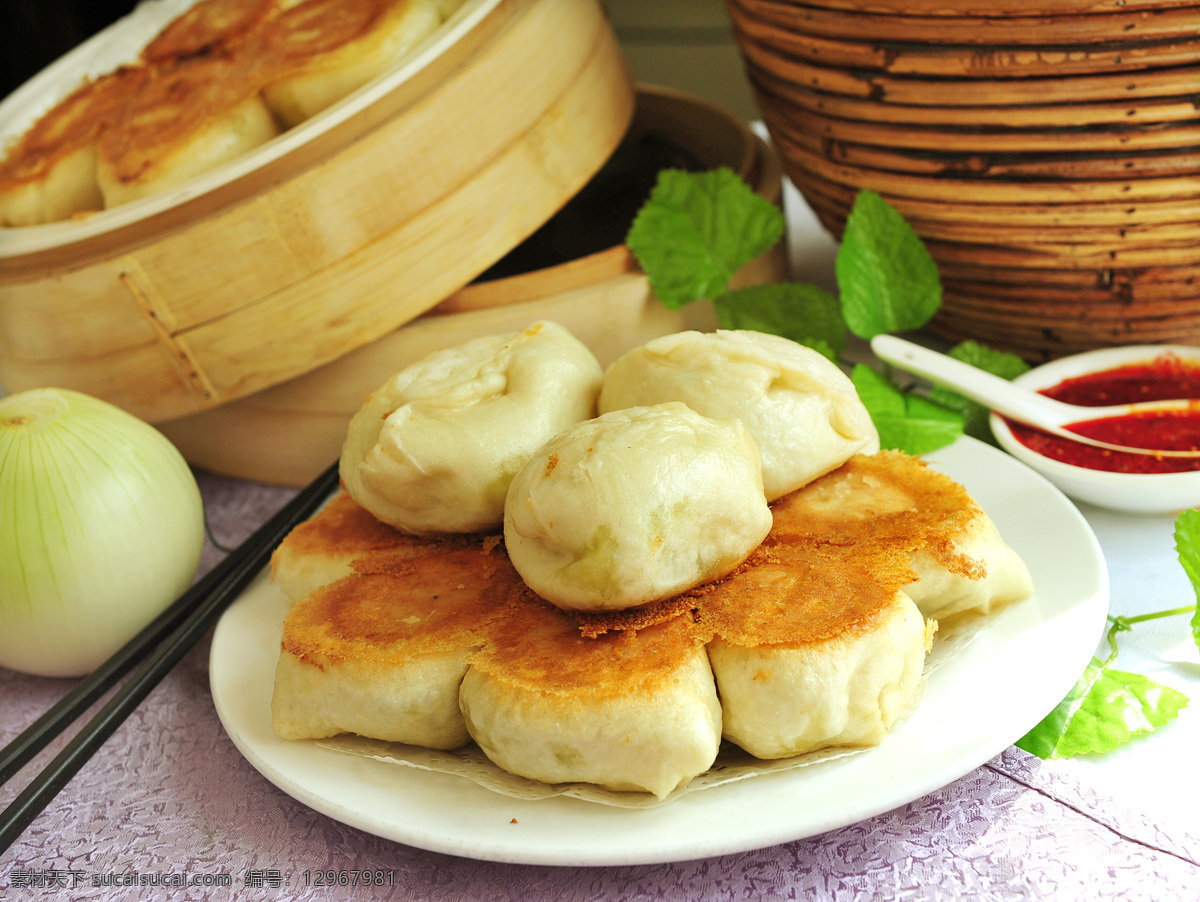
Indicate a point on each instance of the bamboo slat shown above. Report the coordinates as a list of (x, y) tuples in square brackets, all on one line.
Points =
[(1055, 25), (992, 8), (1030, 90), (799, 124), (954, 61), (1030, 117)]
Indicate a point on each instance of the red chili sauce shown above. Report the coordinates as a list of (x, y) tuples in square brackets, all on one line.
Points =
[(1163, 378)]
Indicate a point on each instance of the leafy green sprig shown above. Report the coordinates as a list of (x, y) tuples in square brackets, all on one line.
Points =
[(1109, 707), (698, 229)]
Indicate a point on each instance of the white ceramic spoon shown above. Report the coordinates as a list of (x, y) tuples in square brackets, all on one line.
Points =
[(1011, 400)]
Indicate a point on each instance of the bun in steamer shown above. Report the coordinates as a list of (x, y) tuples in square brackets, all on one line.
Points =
[(203, 112), (197, 97), (434, 448), (635, 506), (49, 174), (801, 409), (207, 26), (321, 50)]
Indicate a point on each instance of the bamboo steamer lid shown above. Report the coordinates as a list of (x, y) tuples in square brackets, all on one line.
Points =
[(326, 238), (289, 433)]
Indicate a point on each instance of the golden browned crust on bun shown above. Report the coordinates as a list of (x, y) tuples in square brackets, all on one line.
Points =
[(49, 173), (794, 594), (201, 112), (383, 654), (194, 99), (344, 537), (210, 25), (320, 50), (630, 711), (897, 503)]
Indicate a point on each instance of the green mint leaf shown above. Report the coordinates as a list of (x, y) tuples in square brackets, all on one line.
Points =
[(886, 277), (877, 392), (1106, 709), (804, 313), (998, 363), (927, 426), (697, 229), (1043, 739), (1187, 544), (974, 414), (909, 423)]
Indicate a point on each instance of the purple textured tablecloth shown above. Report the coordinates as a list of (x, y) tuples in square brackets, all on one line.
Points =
[(169, 798)]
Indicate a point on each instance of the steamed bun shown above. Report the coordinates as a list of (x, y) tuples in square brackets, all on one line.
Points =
[(434, 448), (801, 409), (635, 506)]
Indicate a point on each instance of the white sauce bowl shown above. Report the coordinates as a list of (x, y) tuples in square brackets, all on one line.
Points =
[(1159, 493)]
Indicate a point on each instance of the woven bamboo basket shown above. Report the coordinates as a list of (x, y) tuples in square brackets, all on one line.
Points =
[(289, 433), (326, 238), (1047, 152)]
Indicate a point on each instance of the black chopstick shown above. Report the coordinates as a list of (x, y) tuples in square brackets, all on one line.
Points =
[(170, 636)]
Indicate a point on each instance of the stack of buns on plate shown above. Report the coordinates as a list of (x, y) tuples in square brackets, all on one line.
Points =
[(598, 576), (221, 79)]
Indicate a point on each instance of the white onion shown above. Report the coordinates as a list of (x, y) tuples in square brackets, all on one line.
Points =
[(101, 528)]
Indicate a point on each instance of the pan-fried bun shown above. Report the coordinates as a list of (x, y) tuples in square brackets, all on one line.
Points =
[(324, 49), (203, 112), (383, 653), (635, 506), (434, 449), (207, 26), (50, 173), (801, 409), (322, 549), (630, 711), (814, 648), (893, 500)]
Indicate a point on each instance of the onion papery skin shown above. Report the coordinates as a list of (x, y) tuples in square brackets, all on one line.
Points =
[(101, 528)]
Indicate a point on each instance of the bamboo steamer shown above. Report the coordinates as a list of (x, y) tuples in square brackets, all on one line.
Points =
[(289, 433), (1047, 152), (795, 123), (325, 239)]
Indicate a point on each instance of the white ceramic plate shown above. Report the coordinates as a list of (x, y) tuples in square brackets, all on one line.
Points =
[(1026, 658)]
